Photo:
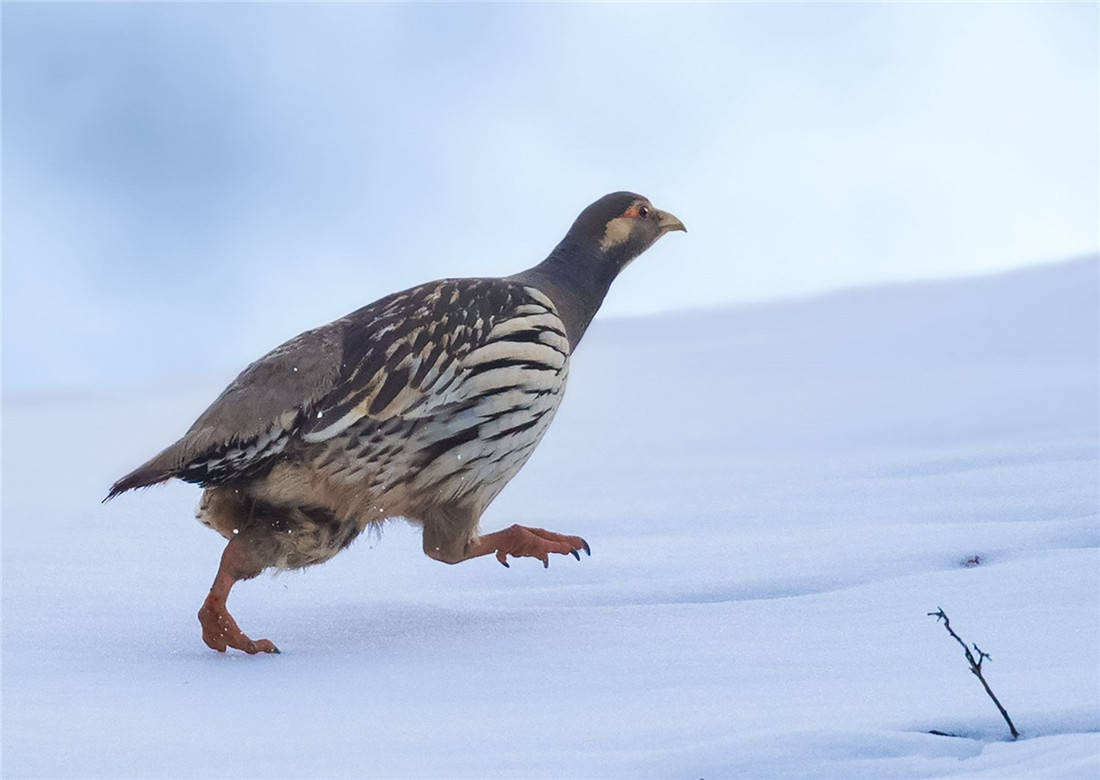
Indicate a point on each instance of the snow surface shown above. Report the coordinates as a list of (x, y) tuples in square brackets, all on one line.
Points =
[(775, 496)]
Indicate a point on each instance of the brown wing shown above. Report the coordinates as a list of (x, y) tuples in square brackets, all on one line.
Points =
[(402, 355)]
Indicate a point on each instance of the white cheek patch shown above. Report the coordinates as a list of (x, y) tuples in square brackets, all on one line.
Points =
[(618, 231)]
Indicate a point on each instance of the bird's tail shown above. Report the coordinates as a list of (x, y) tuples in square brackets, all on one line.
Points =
[(160, 469)]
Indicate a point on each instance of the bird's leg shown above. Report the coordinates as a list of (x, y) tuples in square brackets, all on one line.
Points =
[(219, 629), (520, 541)]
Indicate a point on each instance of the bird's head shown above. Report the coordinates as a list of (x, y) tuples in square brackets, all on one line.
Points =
[(619, 227), (602, 241)]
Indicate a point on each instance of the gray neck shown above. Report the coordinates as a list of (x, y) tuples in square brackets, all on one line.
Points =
[(576, 278)]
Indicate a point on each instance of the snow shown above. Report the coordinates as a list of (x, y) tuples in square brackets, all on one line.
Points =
[(775, 497)]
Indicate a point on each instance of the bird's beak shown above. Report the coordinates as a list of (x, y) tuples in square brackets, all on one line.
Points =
[(668, 222)]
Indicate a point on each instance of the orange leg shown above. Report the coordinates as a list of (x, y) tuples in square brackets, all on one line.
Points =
[(219, 629), (520, 541)]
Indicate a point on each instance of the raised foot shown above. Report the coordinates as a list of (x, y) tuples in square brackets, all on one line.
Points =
[(220, 630), (522, 542)]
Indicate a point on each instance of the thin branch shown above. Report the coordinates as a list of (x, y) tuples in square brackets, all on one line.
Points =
[(975, 665)]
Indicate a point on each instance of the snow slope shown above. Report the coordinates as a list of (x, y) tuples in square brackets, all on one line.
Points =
[(775, 496)]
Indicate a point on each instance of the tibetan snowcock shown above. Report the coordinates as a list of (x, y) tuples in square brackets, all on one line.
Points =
[(421, 405)]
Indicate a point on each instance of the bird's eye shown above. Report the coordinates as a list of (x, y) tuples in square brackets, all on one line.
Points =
[(643, 211)]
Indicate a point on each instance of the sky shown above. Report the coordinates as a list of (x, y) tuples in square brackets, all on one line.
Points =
[(187, 185)]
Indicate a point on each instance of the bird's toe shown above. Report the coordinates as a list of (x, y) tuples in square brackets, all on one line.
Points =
[(260, 646), (539, 543)]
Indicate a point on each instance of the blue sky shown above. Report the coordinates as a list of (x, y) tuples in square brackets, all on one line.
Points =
[(186, 185)]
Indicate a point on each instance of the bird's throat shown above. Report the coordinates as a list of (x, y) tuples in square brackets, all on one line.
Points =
[(576, 279)]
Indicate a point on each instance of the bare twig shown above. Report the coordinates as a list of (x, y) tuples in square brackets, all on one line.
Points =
[(975, 665)]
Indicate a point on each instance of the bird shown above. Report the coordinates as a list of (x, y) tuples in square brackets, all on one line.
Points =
[(421, 405)]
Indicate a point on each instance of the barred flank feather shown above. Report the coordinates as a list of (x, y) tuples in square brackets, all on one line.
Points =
[(484, 360)]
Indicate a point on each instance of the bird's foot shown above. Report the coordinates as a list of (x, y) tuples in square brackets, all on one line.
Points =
[(522, 542), (220, 630)]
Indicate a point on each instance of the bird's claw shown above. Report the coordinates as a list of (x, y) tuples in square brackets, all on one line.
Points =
[(220, 631), (520, 541), (261, 646)]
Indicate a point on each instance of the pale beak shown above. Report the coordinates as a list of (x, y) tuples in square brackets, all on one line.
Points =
[(668, 222)]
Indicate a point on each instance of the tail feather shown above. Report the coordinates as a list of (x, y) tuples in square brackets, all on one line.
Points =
[(160, 469), (135, 479)]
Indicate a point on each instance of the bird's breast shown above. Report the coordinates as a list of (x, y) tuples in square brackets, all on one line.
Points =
[(469, 453)]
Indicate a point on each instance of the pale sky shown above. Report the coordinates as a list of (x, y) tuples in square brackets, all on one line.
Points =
[(187, 185)]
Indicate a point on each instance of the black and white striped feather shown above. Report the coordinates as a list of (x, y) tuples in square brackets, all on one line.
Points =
[(483, 360)]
